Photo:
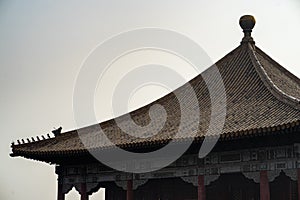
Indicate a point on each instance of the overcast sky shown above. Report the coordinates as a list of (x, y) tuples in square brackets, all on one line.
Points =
[(43, 44)]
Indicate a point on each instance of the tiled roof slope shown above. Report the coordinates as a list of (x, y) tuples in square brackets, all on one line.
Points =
[(261, 95)]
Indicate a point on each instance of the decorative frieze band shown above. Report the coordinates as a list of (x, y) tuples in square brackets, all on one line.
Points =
[(249, 162), (208, 179)]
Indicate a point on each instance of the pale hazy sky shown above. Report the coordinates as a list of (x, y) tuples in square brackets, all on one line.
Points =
[(42, 46)]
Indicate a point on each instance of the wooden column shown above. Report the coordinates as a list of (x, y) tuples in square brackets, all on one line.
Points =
[(83, 195), (298, 182), (201, 188), (264, 186), (129, 195), (107, 194), (60, 194)]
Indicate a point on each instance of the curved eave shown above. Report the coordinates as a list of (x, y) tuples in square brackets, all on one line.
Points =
[(46, 156)]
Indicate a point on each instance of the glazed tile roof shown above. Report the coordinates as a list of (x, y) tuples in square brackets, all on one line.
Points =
[(260, 96)]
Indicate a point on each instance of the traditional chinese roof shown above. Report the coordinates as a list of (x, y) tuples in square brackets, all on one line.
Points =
[(262, 97)]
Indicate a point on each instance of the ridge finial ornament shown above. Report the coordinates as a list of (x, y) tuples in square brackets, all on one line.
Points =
[(247, 23)]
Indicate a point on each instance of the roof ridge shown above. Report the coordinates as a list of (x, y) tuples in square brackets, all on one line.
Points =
[(279, 66), (271, 86), (30, 140)]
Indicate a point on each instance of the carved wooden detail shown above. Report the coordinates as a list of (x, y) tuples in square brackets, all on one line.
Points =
[(78, 188), (194, 179), (273, 174), (292, 173), (67, 188), (255, 176), (210, 178), (136, 184), (122, 184), (91, 187), (191, 179)]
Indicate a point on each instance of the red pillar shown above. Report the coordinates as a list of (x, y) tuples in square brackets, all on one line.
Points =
[(60, 194), (264, 186), (129, 195), (201, 188), (83, 195)]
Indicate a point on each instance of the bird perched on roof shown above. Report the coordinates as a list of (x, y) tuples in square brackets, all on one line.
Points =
[(57, 132)]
